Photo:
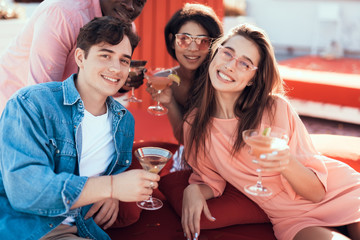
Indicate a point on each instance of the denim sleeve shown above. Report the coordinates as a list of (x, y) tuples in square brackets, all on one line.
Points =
[(29, 169)]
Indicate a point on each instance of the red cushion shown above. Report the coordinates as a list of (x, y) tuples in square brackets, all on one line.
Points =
[(129, 213), (342, 148), (231, 208)]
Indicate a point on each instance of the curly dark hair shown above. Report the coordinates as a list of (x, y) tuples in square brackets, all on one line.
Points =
[(105, 29)]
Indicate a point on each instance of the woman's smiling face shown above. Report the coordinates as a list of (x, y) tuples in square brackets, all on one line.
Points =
[(226, 76), (191, 57)]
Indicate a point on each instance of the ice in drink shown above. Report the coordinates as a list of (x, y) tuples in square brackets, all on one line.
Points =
[(265, 144)]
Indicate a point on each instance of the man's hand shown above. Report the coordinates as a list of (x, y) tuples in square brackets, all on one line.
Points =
[(134, 81), (104, 212), (134, 185)]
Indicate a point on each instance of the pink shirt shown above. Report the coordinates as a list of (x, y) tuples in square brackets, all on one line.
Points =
[(44, 49), (287, 211)]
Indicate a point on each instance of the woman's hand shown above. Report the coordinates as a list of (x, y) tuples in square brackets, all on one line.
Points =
[(276, 161), (194, 203), (164, 97)]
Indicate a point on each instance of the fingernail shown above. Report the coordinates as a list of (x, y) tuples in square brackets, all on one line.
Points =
[(185, 235), (262, 156), (196, 236), (255, 161), (214, 219)]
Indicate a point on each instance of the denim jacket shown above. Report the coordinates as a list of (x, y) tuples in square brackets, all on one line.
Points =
[(40, 143)]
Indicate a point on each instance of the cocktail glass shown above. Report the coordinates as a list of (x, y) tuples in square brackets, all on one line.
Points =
[(263, 144), (159, 81), (152, 159), (136, 68)]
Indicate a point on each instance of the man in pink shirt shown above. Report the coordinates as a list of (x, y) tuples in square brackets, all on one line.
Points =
[(44, 50)]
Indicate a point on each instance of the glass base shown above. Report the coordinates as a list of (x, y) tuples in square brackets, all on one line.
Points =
[(257, 190), (155, 204), (157, 110), (133, 99)]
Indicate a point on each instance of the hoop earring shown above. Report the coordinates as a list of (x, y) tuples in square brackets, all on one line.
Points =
[(249, 84)]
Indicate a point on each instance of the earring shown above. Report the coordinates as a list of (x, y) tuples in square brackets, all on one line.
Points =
[(249, 84)]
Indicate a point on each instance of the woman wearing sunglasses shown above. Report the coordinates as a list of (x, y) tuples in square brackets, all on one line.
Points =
[(188, 36)]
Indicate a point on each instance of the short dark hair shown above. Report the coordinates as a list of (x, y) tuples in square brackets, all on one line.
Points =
[(201, 14), (105, 29)]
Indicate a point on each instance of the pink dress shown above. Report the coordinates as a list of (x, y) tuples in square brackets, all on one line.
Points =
[(44, 49), (288, 212)]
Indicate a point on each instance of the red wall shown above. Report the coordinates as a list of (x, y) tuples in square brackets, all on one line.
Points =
[(150, 27)]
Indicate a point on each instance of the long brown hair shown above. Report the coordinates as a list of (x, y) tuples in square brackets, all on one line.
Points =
[(250, 105)]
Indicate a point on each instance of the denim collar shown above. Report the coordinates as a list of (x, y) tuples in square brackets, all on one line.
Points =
[(71, 96)]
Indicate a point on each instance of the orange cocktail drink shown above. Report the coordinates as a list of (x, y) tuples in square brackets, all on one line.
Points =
[(265, 144), (159, 83), (159, 80)]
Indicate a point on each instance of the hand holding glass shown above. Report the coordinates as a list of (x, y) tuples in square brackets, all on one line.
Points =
[(152, 159), (260, 144), (137, 68), (159, 81)]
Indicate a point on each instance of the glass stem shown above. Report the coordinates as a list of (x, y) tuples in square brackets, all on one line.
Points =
[(158, 102), (151, 200), (259, 181), (132, 91)]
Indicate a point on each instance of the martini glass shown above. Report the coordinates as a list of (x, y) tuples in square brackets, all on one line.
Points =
[(159, 81), (263, 144), (136, 68), (152, 159)]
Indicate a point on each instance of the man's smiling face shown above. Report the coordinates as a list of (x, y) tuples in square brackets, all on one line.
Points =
[(105, 68)]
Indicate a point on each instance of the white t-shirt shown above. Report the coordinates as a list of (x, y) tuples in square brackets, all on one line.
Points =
[(97, 144), (97, 147)]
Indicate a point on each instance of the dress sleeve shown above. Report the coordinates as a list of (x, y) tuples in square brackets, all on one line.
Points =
[(53, 40), (210, 178), (300, 144)]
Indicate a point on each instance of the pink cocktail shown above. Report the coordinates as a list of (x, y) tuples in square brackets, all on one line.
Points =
[(159, 81), (274, 141)]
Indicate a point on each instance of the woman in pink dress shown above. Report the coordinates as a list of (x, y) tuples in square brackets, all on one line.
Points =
[(312, 196)]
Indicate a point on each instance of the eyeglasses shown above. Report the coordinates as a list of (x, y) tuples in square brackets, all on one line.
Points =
[(242, 64), (184, 40)]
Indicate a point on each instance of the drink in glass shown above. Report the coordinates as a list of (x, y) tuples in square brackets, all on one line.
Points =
[(263, 142), (159, 81), (152, 159), (136, 68)]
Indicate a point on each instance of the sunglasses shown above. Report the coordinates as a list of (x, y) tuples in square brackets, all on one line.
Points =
[(242, 64), (184, 40)]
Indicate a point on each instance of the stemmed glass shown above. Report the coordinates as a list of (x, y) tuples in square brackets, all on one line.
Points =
[(159, 81), (152, 159), (136, 68), (266, 141)]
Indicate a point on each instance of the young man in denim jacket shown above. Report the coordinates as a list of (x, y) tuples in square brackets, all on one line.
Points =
[(64, 146)]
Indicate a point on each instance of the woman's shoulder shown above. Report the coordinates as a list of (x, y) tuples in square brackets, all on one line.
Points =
[(281, 101)]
